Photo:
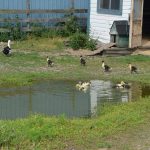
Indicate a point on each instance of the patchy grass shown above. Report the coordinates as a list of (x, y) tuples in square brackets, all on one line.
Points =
[(27, 65), (39, 132), (24, 67), (40, 44)]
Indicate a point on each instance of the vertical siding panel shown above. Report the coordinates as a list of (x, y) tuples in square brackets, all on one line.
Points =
[(100, 24)]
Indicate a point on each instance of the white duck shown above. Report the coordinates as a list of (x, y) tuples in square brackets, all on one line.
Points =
[(9, 42)]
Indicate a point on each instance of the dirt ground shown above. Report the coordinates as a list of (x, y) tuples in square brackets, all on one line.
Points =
[(142, 52), (146, 47)]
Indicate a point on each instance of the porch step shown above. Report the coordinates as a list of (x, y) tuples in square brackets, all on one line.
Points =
[(144, 47), (117, 52)]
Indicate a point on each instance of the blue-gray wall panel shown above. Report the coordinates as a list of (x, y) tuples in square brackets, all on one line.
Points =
[(42, 4)]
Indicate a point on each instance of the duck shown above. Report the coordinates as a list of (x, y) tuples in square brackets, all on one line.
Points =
[(82, 61), (50, 63), (8, 44), (105, 67), (122, 85), (7, 49), (132, 68)]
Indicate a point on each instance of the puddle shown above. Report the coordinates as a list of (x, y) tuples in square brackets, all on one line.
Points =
[(54, 98)]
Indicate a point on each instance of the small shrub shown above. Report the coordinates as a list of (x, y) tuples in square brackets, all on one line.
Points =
[(91, 44), (4, 36), (71, 24), (78, 40), (82, 40)]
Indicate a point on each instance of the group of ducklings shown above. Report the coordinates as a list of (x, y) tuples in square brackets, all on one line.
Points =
[(107, 68), (83, 86)]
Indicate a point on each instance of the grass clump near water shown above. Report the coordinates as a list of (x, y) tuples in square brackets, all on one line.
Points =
[(39, 132)]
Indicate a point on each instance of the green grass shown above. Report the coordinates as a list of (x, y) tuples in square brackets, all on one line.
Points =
[(40, 44), (42, 132), (24, 67), (28, 64)]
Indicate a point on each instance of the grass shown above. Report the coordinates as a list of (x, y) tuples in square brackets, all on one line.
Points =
[(23, 67), (28, 64), (41, 132), (40, 44)]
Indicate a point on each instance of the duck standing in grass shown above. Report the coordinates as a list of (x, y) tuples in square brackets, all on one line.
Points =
[(82, 61), (49, 62), (106, 68), (7, 49), (133, 69)]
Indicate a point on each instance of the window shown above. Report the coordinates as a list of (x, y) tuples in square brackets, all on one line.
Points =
[(110, 6)]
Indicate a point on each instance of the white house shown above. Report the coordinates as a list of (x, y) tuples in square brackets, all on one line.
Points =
[(103, 13)]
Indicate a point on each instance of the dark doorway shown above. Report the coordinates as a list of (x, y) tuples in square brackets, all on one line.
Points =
[(146, 18), (146, 23)]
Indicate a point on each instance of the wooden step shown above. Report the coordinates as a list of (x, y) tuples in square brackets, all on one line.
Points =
[(117, 51), (144, 47)]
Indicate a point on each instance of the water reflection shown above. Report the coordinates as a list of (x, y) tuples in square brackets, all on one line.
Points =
[(61, 97)]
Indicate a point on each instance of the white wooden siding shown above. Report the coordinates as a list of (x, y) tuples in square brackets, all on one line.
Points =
[(100, 24)]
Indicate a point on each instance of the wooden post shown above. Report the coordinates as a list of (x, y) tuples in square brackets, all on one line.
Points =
[(72, 6), (136, 21), (28, 13)]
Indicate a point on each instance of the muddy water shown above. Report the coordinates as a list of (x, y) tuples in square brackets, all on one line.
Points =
[(54, 98)]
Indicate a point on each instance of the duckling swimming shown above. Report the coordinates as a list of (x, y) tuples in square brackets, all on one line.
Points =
[(78, 85), (83, 86), (122, 85)]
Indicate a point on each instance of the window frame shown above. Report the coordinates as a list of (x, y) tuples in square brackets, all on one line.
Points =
[(109, 11)]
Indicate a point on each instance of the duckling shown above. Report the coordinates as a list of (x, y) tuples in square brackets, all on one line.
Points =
[(86, 84), (133, 69), (84, 89), (119, 85), (122, 85), (78, 85), (106, 67), (49, 62), (82, 61)]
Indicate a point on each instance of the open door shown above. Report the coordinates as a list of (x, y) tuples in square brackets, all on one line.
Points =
[(136, 19)]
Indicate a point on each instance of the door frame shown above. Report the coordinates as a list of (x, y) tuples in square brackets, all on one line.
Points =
[(135, 23)]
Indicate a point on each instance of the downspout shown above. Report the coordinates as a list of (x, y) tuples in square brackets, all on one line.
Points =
[(88, 17)]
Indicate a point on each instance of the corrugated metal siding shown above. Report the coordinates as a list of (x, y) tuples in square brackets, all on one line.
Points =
[(42, 4), (100, 24)]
